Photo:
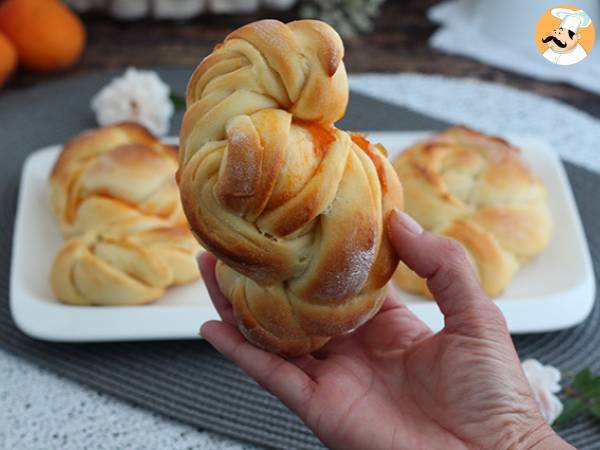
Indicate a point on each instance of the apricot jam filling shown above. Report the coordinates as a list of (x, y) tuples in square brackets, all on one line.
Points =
[(322, 136), (367, 147)]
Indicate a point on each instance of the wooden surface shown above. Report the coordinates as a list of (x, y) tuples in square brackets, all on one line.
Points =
[(397, 44)]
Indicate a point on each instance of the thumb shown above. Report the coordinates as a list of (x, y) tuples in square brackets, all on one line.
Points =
[(443, 263)]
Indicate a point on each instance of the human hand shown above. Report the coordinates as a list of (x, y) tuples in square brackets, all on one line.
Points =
[(394, 384)]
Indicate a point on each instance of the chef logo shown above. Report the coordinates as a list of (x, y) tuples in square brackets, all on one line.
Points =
[(565, 35)]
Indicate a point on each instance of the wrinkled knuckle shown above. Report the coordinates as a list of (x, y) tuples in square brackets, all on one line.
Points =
[(442, 280), (475, 323), (497, 320), (490, 313), (485, 319), (452, 251)]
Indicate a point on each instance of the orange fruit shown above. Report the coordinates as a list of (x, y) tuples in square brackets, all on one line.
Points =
[(46, 34), (8, 58)]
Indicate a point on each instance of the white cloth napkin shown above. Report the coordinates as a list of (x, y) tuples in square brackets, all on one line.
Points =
[(491, 108), (460, 34)]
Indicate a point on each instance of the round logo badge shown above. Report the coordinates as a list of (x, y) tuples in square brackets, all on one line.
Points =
[(565, 35)]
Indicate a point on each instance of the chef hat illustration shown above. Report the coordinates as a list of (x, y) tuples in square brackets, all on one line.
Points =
[(572, 20)]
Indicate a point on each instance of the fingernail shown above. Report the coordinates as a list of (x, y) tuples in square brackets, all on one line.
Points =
[(201, 333), (407, 222)]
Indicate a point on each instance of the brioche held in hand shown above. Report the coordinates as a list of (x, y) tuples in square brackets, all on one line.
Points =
[(477, 190), (293, 207)]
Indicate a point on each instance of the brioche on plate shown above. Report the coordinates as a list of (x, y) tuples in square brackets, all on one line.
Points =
[(107, 174), (130, 263), (293, 207), (475, 189), (114, 194)]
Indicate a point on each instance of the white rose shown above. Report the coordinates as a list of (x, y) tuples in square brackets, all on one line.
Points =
[(137, 96), (544, 382)]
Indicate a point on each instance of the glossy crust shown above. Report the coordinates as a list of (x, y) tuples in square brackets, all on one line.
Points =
[(130, 263), (475, 189), (107, 174), (293, 207), (114, 194)]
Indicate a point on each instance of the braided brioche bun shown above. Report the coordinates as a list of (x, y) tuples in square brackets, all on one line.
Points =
[(475, 189), (114, 194), (105, 175), (293, 207), (132, 262)]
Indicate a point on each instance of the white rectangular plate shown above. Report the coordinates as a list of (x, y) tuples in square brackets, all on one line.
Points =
[(552, 291)]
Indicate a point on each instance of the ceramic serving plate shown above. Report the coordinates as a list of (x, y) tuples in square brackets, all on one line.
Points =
[(552, 291)]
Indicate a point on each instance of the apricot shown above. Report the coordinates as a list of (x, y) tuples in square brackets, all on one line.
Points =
[(8, 58), (47, 35)]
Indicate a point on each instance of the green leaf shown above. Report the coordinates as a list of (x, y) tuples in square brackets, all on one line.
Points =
[(571, 409), (582, 379), (347, 16), (595, 409), (178, 101), (592, 388)]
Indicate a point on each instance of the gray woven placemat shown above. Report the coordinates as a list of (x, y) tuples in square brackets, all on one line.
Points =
[(188, 380)]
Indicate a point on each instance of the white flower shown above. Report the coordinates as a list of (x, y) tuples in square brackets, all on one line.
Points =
[(137, 96), (544, 382)]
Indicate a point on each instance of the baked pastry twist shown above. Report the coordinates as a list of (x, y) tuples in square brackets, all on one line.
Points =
[(114, 193), (108, 174), (293, 207), (132, 262), (476, 190)]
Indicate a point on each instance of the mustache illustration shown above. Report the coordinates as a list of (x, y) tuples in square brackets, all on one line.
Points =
[(556, 41)]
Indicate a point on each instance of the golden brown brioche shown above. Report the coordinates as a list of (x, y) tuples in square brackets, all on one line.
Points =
[(475, 189), (114, 193), (107, 174), (131, 262), (293, 207)]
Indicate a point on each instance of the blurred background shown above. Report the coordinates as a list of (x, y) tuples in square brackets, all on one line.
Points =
[(474, 62), (380, 36)]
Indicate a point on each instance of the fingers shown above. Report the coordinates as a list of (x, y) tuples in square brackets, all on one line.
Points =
[(441, 261), (284, 379), (307, 363), (206, 263), (391, 300), (280, 377)]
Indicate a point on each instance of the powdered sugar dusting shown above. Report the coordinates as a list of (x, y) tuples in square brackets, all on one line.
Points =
[(274, 40), (238, 138), (243, 163), (350, 279)]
